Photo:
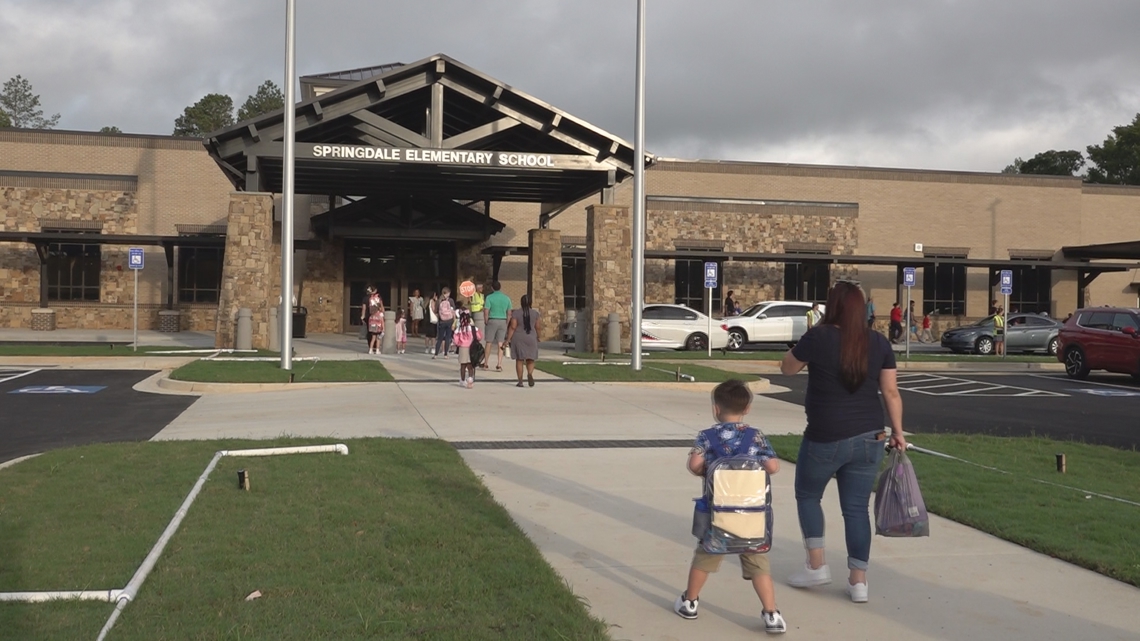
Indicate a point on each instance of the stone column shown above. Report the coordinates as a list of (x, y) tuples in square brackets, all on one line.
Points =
[(609, 278), (544, 280), (251, 269)]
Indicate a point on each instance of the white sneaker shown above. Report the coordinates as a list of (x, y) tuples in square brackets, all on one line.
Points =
[(809, 578), (685, 608), (857, 592), (470, 382), (774, 623)]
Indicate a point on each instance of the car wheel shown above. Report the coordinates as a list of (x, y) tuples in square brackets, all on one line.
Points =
[(984, 346), (736, 339), (697, 342), (1075, 365), (1053, 344)]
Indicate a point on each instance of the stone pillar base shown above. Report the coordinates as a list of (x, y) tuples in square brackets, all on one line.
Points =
[(169, 321), (43, 320)]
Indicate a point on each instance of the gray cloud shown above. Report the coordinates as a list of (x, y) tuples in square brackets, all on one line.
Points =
[(952, 84)]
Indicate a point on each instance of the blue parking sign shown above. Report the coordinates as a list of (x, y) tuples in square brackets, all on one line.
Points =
[(710, 275), (135, 258), (908, 276), (1006, 282)]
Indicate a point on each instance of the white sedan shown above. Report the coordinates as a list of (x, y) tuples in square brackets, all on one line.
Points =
[(768, 322), (678, 327)]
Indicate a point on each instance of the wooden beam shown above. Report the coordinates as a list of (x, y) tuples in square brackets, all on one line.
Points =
[(471, 136), (252, 129), (436, 121), (409, 137), (317, 111)]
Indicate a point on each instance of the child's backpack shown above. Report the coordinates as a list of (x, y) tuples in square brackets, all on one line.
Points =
[(476, 350), (738, 499), (446, 310)]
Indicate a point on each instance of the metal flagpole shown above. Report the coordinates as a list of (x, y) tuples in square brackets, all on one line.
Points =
[(287, 189), (638, 294)]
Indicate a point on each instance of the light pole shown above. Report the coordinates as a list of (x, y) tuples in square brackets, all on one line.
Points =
[(638, 273), (287, 190)]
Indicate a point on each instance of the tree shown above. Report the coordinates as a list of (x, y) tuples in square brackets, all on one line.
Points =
[(214, 111), (110, 129), (22, 107), (267, 98), (1118, 158), (1014, 168), (5, 121), (1054, 163)]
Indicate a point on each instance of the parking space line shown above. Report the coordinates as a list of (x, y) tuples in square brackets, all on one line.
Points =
[(1061, 377), (977, 388), (5, 379)]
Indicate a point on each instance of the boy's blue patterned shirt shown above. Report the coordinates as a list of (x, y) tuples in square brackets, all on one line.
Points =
[(730, 435)]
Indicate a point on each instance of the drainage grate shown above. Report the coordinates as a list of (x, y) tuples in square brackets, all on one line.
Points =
[(569, 445)]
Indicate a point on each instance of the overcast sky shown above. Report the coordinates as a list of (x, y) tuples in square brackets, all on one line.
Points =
[(938, 84)]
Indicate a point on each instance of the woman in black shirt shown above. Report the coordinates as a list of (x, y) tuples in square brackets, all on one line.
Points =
[(848, 365)]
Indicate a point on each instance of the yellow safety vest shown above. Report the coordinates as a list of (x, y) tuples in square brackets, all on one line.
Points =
[(476, 302)]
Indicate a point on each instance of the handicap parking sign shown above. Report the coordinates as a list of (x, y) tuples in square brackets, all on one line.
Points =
[(135, 258), (710, 275), (59, 389), (908, 276), (1006, 282)]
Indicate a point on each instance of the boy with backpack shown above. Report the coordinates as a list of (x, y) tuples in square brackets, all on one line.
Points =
[(735, 460)]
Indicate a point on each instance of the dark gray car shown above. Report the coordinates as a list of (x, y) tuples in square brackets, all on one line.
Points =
[(1025, 333)]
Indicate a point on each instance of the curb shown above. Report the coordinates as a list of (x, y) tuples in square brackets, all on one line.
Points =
[(760, 386), (192, 387)]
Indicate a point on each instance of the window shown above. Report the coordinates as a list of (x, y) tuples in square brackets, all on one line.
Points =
[(73, 271), (1120, 321), (199, 274), (653, 313), (807, 281), (943, 289), (690, 284), (1031, 289), (784, 311), (574, 282), (1096, 320)]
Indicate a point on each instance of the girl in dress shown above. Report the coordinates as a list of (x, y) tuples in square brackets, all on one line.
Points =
[(375, 320), (401, 331)]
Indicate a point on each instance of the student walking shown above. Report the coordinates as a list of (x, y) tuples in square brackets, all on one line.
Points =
[(372, 314), (927, 336), (727, 437), (466, 333), (416, 311), (896, 323), (431, 326), (401, 331), (870, 312), (848, 366)]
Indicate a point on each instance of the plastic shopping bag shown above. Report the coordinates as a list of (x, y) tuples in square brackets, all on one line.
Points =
[(899, 508)]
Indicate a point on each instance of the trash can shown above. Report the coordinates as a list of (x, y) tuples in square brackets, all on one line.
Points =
[(299, 316)]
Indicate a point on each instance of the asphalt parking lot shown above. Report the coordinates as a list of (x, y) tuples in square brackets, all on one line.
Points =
[(1104, 410), (45, 409)]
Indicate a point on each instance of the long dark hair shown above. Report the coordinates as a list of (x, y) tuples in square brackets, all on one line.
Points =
[(847, 310), (524, 302)]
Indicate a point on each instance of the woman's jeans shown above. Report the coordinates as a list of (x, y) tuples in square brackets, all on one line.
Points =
[(443, 338), (853, 462)]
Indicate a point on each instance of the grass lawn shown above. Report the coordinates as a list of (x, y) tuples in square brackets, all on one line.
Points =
[(105, 349), (652, 372), (397, 540), (204, 371), (1095, 533)]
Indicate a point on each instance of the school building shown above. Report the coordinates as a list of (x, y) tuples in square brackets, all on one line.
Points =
[(417, 176)]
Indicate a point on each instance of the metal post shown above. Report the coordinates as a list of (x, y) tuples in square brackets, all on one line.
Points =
[(638, 294), (1005, 327), (909, 318), (135, 347), (708, 336), (287, 189)]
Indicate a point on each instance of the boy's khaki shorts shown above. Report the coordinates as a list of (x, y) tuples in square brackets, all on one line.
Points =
[(750, 564)]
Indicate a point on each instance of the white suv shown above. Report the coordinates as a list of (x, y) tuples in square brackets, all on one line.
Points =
[(768, 322), (666, 326)]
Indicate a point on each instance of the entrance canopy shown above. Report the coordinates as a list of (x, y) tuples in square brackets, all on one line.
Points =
[(435, 127)]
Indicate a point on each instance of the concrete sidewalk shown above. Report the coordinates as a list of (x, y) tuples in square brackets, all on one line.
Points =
[(615, 522)]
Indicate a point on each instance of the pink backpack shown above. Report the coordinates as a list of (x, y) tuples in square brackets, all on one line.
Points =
[(446, 310)]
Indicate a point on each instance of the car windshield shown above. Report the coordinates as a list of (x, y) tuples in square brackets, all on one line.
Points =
[(752, 311), (985, 322)]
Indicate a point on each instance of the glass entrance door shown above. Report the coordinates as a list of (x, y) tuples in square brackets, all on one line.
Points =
[(395, 269)]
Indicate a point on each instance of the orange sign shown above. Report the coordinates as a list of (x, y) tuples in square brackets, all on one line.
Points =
[(467, 289)]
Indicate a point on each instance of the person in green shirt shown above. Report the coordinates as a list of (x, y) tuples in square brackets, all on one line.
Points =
[(496, 310)]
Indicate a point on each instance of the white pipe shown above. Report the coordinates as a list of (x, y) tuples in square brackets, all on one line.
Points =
[(340, 448), (110, 596), (250, 359), (128, 593), (206, 351)]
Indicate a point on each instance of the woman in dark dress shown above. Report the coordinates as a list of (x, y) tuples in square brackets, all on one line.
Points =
[(522, 335), (848, 365)]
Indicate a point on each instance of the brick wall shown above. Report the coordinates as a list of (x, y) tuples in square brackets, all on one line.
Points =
[(251, 275), (545, 280)]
